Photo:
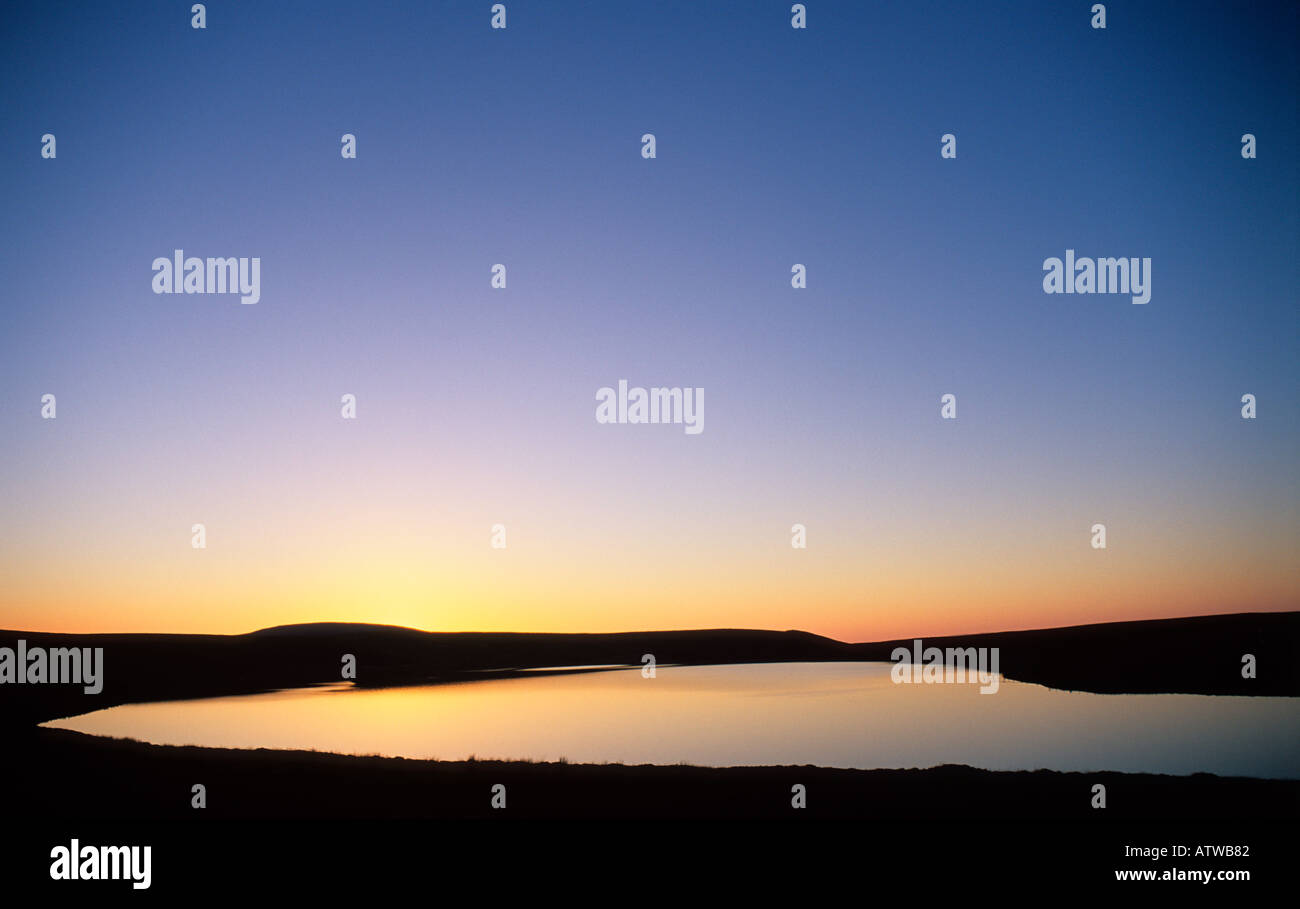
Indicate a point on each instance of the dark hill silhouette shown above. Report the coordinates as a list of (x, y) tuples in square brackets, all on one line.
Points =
[(1191, 655)]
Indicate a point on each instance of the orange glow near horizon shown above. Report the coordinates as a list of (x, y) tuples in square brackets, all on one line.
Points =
[(833, 592), (943, 543)]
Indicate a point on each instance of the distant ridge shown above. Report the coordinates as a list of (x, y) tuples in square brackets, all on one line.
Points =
[(1198, 655), (309, 628)]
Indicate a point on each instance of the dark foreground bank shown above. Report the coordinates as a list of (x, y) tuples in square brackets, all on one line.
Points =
[(57, 773), (304, 824)]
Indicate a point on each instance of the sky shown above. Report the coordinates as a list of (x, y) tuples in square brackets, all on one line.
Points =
[(476, 406)]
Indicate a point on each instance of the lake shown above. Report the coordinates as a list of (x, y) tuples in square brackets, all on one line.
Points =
[(829, 714)]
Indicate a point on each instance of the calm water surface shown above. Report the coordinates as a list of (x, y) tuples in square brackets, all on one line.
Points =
[(830, 714)]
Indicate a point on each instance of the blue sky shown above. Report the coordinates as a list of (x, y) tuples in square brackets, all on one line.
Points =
[(775, 146)]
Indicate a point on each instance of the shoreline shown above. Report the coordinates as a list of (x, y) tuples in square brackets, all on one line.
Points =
[(1198, 655), (122, 779)]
